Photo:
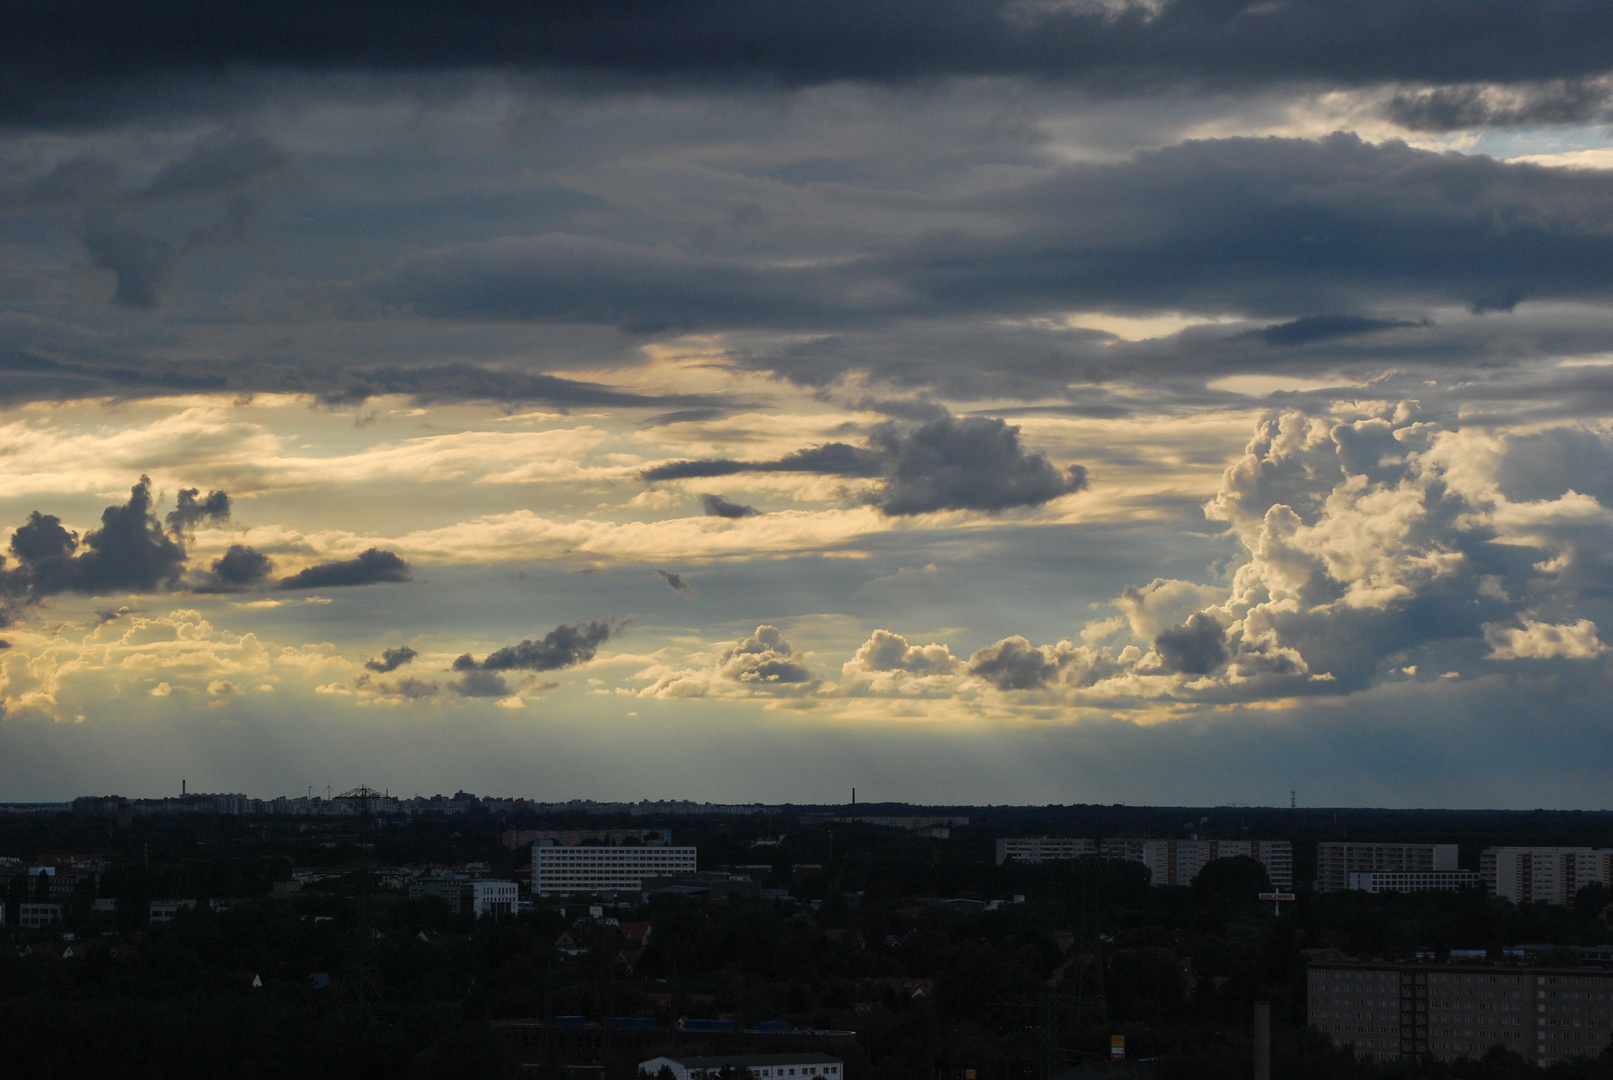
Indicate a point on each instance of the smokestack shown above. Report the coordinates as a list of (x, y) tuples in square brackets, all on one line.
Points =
[(1262, 1040)]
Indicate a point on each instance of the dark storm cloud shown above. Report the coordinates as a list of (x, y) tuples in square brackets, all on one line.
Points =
[(973, 463), (192, 510), (130, 552), (1198, 647), (717, 506), (240, 568), (1285, 228), (1455, 108), (565, 646), (368, 568), (562, 277), (391, 659), (676, 583), (87, 61), (949, 463)]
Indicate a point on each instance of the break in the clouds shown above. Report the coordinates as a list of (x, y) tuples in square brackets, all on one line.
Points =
[(1053, 401)]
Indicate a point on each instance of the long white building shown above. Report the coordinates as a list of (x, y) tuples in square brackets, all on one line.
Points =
[(1035, 849), (1544, 875), (1336, 860), (1178, 862), (1380, 881), (560, 871), (800, 1066)]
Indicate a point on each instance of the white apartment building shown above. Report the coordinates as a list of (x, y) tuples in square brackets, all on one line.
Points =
[(1336, 860), (558, 871), (1177, 862), (1035, 849), (760, 1066), (494, 897), (1380, 881), (1544, 875)]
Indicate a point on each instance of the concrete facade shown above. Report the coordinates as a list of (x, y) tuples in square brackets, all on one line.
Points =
[(1447, 1011)]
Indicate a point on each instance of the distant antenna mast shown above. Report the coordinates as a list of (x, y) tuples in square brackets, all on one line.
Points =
[(1293, 800)]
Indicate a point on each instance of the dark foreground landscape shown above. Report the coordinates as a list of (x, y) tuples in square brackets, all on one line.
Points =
[(291, 946)]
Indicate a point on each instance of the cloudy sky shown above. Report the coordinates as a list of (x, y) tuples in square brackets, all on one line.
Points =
[(1010, 401)]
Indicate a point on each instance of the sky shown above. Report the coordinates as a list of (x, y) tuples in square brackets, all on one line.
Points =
[(966, 401)]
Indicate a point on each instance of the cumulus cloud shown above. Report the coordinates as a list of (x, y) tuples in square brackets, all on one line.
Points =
[(717, 506), (368, 568), (1198, 647), (763, 664), (1372, 546), (480, 684), (567, 645), (1536, 640), (391, 659), (887, 664), (130, 552), (945, 463)]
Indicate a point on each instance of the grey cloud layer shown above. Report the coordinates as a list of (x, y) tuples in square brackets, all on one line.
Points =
[(1289, 229), (83, 62)]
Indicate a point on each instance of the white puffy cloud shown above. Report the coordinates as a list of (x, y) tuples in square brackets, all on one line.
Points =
[(762, 664), (1543, 641)]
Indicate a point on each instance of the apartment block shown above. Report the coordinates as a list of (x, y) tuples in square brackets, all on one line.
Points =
[(35, 916), (558, 871), (1544, 875), (1393, 1010), (1035, 849), (1337, 860), (1381, 881), (1178, 862)]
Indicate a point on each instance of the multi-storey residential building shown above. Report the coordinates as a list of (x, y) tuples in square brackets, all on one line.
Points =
[(1177, 862), (1337, 860), (1544, 875), (1379, 881), (564, 870), (1391, 1010), (1035, 849)]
